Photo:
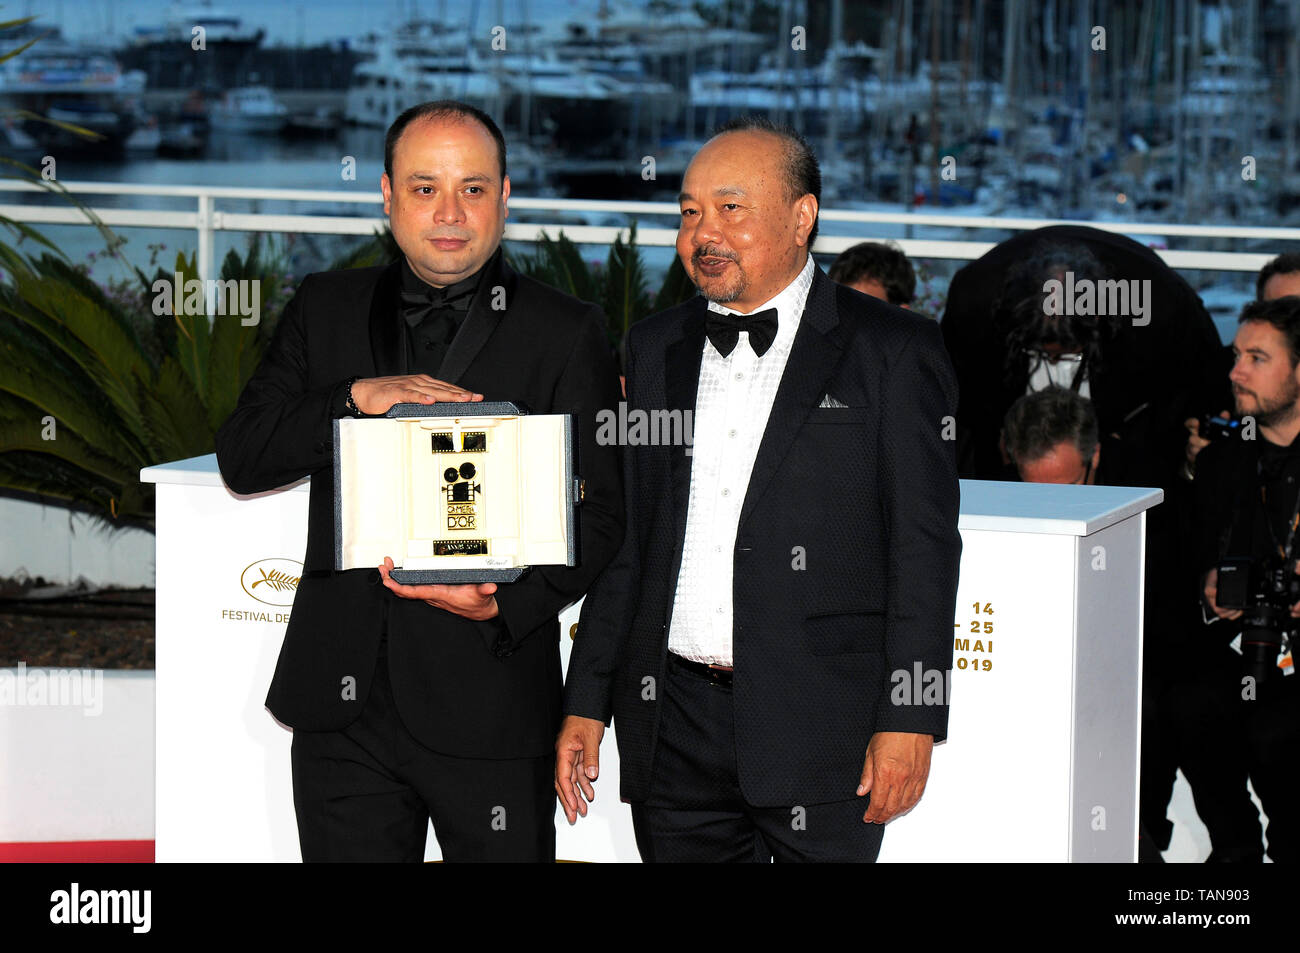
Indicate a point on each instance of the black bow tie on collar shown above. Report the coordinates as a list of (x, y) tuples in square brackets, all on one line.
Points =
[(724, 330), (418, 305)]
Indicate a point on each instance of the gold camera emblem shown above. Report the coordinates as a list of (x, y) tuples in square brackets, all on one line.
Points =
[(462, 492), (464, 496)]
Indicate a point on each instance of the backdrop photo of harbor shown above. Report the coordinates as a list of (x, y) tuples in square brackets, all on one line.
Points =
[(971, 108)]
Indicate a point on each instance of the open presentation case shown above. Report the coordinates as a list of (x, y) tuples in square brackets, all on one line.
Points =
[(455, 492)]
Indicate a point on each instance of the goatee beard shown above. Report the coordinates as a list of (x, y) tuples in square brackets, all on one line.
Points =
[(1278, 412)]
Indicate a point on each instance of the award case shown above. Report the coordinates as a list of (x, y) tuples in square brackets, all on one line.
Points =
[(456, 492)]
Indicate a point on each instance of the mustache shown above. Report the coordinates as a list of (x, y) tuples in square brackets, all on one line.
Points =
[(708, 251)]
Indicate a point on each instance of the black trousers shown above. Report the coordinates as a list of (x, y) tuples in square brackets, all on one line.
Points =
[(1273, 733), (368, 792), (1193, 719), (695, 812)]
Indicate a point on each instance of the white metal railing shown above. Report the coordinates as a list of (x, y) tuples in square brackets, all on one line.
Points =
[(206, 219)]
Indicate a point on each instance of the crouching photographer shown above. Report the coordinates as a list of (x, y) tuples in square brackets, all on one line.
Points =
[(1247, 487)]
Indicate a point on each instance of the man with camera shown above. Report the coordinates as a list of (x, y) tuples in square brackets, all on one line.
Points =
[(1248, 503), (1277, 279)]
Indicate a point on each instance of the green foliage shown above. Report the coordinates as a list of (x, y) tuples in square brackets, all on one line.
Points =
[(94, 385), (677, 287), (379, 250), (619, 286), (559, 264)]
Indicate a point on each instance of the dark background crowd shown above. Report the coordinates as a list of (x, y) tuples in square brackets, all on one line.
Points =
[(1148, 396)]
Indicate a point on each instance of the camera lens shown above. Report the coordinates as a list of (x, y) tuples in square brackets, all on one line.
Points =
[(449, 475), (467, 471)]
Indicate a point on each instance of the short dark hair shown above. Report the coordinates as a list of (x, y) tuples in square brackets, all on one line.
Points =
[(877, 261), (442, 109), (803, 175), (1039, 421), (1286, 263), (1283, 314)]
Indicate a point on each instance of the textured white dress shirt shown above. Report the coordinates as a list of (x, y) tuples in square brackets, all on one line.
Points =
[(731, 410)]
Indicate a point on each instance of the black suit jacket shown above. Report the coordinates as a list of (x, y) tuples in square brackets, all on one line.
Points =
[(875, 517), (1227, 493), (460, 688)]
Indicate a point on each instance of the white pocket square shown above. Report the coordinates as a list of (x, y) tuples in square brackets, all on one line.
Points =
[(829, 401)]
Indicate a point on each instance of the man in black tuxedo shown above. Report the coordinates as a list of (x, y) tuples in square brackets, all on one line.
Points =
[(783, 577), (412, 703)]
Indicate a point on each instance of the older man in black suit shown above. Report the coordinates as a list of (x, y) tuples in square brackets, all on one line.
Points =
[(778, 585), (456, 689)]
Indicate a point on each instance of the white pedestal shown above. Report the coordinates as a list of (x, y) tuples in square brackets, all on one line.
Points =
[(1040, 762)]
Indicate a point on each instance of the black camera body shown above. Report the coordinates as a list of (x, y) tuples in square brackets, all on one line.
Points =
[(1265, 589), (1216, 428)]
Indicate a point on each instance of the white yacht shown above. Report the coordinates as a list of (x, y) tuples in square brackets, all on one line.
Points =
[(419, 62), (249, 110), (69, 84), (836, 84)]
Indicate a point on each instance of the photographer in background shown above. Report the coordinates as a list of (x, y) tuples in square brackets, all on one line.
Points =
[(1247, 487), (1277, 279)]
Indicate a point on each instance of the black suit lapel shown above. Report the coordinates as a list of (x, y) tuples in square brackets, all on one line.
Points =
[(682, 381), (813, 358), (481, 321), (387, 336)]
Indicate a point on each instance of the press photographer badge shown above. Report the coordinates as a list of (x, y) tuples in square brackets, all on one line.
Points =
[(462, 493)]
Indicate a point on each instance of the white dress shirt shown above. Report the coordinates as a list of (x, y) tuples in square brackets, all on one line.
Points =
[(731, 410)]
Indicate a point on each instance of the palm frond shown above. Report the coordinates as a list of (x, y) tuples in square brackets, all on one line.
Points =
[(677, 287), (379, 250), (626, 300)]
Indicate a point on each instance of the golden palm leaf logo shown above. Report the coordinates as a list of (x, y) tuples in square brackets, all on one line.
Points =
[(277, 580), (273, 581)]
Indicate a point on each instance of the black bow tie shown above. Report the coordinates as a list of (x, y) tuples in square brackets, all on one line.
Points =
[(724, 330), (418, 305)]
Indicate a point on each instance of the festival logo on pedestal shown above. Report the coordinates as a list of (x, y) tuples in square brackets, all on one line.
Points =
[(273, 581)]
